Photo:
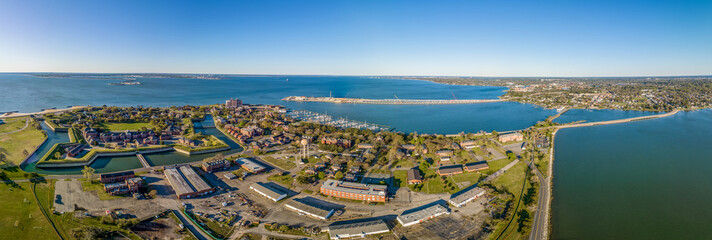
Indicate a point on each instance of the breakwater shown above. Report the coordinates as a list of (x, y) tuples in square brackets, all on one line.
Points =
[(394, 101)]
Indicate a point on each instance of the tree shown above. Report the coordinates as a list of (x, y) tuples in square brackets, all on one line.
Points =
[(88, 173), (24, 152), (3, 158), (321, 175), (153, 193), (283, 228), (338, 175), (522, 220)]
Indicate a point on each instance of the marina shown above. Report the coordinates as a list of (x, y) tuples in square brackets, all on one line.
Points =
[(312, 117)]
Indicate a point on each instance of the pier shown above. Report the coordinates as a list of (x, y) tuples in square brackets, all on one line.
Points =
[(142, 160), (394, 101)]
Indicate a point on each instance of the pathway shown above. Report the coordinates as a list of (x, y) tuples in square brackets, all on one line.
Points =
[(27, 123), (187, 223), (142, 160), (616, 121)]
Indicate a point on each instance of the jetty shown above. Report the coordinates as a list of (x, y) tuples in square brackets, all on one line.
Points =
[(617, 121), (394, 101)]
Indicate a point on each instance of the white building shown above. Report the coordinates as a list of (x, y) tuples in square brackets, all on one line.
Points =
[(421, 214), (268, 191)]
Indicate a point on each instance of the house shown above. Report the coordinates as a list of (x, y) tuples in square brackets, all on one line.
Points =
[(421, 214), (345, 143), (356, 191), (310, 170), (268, 191), (444, 153), (350, 177), (476, 166), (320, 165), (450, 170), (364, 146), (511, 137), (304, 206), (414, 176), (464, 196), (359, 229)]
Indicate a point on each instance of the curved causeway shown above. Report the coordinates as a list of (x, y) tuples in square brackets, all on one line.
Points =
[(395, 101)]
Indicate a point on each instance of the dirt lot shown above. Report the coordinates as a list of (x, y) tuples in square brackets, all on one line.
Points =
[(160, 228)]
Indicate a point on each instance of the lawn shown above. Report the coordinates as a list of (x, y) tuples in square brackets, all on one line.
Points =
[(400, 178), (471, 177), (285, 180), (14, 145), (20, 217), (12, 124), (496, 165), (434, 185), (126, 126), (99, 189), (284, 164)]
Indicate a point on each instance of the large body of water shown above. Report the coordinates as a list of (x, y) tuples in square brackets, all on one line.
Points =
[(641, 180), (26, 93)]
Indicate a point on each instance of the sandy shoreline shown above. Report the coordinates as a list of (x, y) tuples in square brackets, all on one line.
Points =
[(11, 114)]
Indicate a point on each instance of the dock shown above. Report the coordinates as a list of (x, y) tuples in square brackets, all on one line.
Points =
[(143, 160), (394, 101)]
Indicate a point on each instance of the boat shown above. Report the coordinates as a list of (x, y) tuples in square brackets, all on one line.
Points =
[(127, 82)]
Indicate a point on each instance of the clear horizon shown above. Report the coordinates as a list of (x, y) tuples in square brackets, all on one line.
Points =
[(365, 38)]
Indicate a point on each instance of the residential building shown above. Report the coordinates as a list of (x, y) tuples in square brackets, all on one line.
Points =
[(345, 143), (414, 176), (450, 170), (357, 191), (511, 137), (476, 166), (233, 103)]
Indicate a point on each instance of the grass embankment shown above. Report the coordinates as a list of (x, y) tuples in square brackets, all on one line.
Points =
[(48, 158), (215, 142), (55, 126), (20, 216), (17, 146), (279, 162), (126, 126), (75, 136), (512, 181), (400, 178)]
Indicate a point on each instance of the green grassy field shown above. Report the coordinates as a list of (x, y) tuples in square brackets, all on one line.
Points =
[(400, 177), (285, 180), (20, 217), (126, 126), (13, 145), (279, 162)]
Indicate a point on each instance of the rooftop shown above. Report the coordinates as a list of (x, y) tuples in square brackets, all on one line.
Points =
[(250, 164), (268, 190), (358, 188), (466, 195), (310, 207), (350, 229), (420, 213)]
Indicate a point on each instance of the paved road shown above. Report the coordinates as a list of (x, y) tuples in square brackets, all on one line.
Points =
[(617, 121), (191, 226), (539, 224)]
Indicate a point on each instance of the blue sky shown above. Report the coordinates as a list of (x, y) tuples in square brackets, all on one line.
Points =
[(462, 38)]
